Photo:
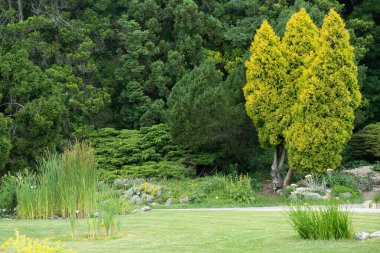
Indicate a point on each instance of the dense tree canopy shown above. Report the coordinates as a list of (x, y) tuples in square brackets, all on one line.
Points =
[(69, 67)]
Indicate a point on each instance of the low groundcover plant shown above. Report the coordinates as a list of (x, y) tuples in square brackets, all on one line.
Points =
[(21, 243)]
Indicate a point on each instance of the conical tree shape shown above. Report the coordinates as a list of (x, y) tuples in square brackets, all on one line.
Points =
[(266, 75), (322, 119), (300, 42)]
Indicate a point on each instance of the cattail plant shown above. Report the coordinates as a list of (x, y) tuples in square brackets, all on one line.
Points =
[(48, 167)]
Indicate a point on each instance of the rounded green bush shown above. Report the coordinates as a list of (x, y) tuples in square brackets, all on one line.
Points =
[(365, 144)]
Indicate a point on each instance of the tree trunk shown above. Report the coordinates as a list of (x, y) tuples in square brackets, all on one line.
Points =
[(20, 12), (288, 177), (278, 163)]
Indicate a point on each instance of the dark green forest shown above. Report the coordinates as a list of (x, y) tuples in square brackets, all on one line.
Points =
[(171, 72)]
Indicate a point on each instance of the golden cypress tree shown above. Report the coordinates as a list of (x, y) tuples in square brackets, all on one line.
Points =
[(266, 75), (322, 117), (299, 44)]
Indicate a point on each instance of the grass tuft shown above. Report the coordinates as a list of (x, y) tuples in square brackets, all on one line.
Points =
[(321, 223)]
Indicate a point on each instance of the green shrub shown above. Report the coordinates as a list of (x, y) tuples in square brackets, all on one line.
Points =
[(8, 198), (355, 164), (336, 178), (376, 166), (376, 197), (228, 189), (321, 223), (148, 152), (338, 190), (239, 188), (162, 169), (123, 205), (366, 143)]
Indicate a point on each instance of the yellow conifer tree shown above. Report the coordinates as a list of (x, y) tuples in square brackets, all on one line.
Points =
[(323, 116)]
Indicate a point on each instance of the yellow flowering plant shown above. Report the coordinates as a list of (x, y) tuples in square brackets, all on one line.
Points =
[(24, 244)]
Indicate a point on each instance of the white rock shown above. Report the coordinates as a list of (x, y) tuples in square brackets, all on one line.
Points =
[(312, 195), (184, 200), (375, 234), (346, 194), (363, 235), (367, 204), (365, 171), (169, 202), (294, 195), (301, 189), (145, 208)]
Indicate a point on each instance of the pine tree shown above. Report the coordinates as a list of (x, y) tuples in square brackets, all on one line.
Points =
[(322, 118)]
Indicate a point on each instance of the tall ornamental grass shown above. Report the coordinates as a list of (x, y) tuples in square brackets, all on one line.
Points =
[(27, 195), (65, 185), (77, 180), (321, 223), (48, 180)]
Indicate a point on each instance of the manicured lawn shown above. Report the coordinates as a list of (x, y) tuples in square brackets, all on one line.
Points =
[(199, 231)]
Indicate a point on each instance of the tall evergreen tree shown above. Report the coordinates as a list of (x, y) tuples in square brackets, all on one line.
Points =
[(322, 118), (266, 77), (207, 112), (299, 44)]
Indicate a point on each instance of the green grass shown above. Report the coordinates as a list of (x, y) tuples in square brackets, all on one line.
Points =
[(198, 231)]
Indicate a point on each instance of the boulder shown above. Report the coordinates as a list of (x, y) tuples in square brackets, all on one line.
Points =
[(309, 195), (363, 235), (312, 195), (169, 202), (367, 203), (294, 195), (301, 189), (346, 195), (365, 171), (145, 208), (375, 234), (184, 200)]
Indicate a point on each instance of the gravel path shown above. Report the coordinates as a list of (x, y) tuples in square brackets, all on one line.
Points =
[(351, 208)]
